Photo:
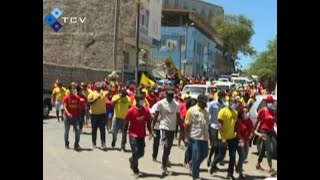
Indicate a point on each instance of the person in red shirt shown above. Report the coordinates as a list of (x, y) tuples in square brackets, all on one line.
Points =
[(151, 97), (136, 119), (71, 105), (267, 119), (109, 110), (83, 104), (244, 129)]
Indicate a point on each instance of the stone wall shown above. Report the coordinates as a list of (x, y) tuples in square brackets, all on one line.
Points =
[(67, 74), (89, 45)]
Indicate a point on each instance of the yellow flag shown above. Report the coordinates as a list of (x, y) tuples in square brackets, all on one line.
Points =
[(146, 81)]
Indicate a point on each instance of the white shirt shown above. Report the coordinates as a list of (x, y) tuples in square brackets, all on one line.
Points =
[(153, 112), (168, 114)]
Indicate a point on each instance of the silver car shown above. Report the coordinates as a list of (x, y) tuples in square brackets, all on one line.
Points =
[(257, 105)]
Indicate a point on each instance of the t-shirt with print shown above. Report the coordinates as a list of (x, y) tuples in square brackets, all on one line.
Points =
[(71, 103), (138, 119), (168, 114)]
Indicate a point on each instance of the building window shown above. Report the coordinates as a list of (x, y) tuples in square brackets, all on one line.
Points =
[(185, 5)]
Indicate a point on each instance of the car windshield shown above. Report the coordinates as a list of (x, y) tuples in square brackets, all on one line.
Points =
[(195, 90), (222, 87)]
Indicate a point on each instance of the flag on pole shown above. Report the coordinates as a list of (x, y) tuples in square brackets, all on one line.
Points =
[(146, 81)]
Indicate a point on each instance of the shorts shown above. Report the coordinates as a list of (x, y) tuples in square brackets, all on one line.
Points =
[(109, 113), (58, 106)]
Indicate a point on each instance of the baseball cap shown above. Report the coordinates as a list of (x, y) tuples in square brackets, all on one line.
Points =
[(269, 99)]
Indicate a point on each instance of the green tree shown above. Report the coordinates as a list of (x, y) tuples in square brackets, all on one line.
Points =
[(236, 32), (265, 66)]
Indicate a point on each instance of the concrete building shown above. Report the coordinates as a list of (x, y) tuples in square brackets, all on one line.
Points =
[(84, 51)]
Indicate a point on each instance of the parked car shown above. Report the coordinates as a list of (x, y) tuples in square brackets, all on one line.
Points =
[(223, 80), (164, 82), (257, 105), (223, 86), (197, 89), (47, 106)]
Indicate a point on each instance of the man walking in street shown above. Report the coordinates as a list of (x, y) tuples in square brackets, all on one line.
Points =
[(71, 104), (58, 94), (96, 101), (227, 117), (169, 117), (136, 119), (197, 133), (121, 103), (214, 108)]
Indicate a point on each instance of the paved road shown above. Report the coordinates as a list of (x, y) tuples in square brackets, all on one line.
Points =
[(62, 164)]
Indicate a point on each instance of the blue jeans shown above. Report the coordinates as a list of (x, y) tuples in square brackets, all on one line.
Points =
[(76, 126), (199, 153), (242, 154), (221, 152), (118, 124), (246, 150)]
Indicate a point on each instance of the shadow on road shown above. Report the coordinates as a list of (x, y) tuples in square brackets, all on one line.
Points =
[(146, 175), (49, 117), (85, 149), (250, 177), (176, 164)]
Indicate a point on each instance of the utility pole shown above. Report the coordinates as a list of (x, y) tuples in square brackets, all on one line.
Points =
[(180, 43), (115, 35), (137, 41)]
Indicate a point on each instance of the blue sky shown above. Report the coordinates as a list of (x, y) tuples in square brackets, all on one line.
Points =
[(263, 13)]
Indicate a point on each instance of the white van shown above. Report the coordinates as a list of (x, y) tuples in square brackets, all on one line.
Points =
[(224, 85)]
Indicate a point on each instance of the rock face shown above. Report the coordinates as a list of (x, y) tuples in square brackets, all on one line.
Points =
[(85, 47)]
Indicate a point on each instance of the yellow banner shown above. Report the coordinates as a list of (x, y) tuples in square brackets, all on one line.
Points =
[(146, 81)]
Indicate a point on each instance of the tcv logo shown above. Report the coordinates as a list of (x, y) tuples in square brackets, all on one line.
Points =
[(52, 19)]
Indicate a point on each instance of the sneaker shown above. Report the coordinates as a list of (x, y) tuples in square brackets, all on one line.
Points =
[(166, 173), (221, 163), (94, 146), (241, 176), (272, 171), (77, 148), (154, 159), (213, 169), (67, 146), (104, 147), (113, 143), (230, 177), (123, 149)]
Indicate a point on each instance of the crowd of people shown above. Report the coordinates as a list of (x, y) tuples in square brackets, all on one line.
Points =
[(204, 128)]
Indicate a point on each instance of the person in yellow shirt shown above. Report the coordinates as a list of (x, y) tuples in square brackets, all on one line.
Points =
[(121, 103), (96, 101), (227, 117), (58, 94)]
